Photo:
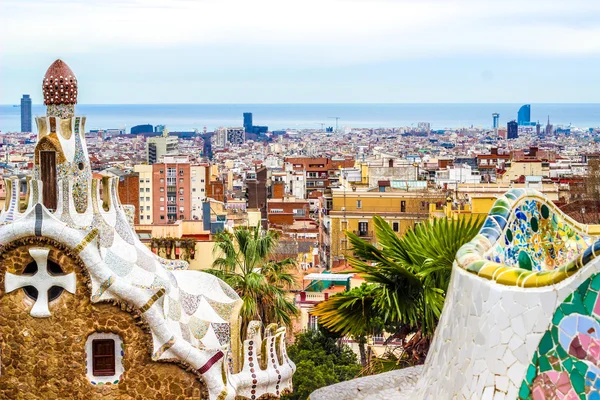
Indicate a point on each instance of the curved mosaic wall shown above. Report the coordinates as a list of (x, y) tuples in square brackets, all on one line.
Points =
[(536, 238), (526, 241), (566, 364)]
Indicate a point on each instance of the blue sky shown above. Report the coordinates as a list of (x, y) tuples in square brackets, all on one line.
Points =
[(310, 51)]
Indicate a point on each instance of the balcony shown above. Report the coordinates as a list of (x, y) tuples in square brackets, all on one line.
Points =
[(367, 234), (311, 297)]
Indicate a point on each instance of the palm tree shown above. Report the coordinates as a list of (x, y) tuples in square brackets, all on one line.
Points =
[(409, 277), (245, 261), (351, 313)]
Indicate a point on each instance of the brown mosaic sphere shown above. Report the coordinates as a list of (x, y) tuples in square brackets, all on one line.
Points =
[(60, 84)]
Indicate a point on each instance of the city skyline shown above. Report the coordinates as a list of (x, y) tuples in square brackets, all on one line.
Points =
[(331, 51)]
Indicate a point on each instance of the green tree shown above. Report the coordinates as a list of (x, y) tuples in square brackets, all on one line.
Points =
[(246, 262), (409, 277), (320, 361), (351, 313)]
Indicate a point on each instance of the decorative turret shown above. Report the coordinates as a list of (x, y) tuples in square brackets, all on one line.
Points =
[(60, 90)]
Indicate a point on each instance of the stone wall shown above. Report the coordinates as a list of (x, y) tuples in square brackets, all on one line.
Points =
[(46, 358)]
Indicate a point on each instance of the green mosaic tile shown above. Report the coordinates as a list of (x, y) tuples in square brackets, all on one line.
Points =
[(531, 372), (546, 344), (562, 354), (569, 298), (558, 315), (568, 364), (545, 211), (581, 367), (578, 382), (544, 364), (590, 301), (596, 282), (524, 392)]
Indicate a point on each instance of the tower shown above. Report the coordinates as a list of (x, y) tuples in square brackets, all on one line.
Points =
[(26, 113), (60, 154), (496, 119), (512, 130), (524, 115), (248, 122)]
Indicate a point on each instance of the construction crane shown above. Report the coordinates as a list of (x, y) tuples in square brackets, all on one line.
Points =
[(336, 122)]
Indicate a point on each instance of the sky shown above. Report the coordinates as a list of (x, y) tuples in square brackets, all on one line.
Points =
[(309, 51)]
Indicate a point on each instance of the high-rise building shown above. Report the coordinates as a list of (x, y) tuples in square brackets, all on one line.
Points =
[(524, 115), (159, 146), (223, 136), (146, 128), (248, 122), (496, 119), (512, 130), (26, 113)]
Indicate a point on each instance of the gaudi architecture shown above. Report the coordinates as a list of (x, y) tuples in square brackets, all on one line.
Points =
[(87, 311)]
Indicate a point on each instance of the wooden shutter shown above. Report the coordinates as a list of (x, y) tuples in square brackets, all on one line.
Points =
[(103, 354), (48, 175)]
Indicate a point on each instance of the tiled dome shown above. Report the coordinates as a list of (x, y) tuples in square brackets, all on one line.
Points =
[(60, 84)]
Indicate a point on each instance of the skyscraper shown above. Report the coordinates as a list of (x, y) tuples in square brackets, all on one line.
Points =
[(496, 118), (26, 113), (248, 122), (512, 130), (524, 115)]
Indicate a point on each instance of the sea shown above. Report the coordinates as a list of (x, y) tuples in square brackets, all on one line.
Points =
[(187, 117)]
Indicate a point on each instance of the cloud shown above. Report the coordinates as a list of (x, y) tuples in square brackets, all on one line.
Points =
[(307, 32)]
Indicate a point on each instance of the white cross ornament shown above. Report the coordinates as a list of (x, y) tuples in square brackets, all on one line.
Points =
[(41, 280)]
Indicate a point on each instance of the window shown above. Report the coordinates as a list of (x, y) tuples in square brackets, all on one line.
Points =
[(403, 206), (395, 226), (358, 203), (162, 171), (104, 357), (180, 180), (162, 180), (162, 189), (162, 208), (193, 189), (162, 199), (147, 208), (141, 190), (147, 190), (202, 180), (147, 198), (363, 228), (180, 190), (147, 180), (202, 190), (162, 217), (141, 198), (181, 199)]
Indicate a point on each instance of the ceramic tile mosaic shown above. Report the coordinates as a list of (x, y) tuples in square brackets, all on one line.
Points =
[(537, 239), (567, 361)]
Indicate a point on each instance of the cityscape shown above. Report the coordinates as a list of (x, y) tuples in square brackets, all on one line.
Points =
[(326, 201)]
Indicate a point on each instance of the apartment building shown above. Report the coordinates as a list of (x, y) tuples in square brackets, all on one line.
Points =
[(145, 209), (353, 211), (320, 172), (159, 146)]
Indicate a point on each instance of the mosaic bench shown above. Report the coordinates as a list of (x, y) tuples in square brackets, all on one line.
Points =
[(522, 314)]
